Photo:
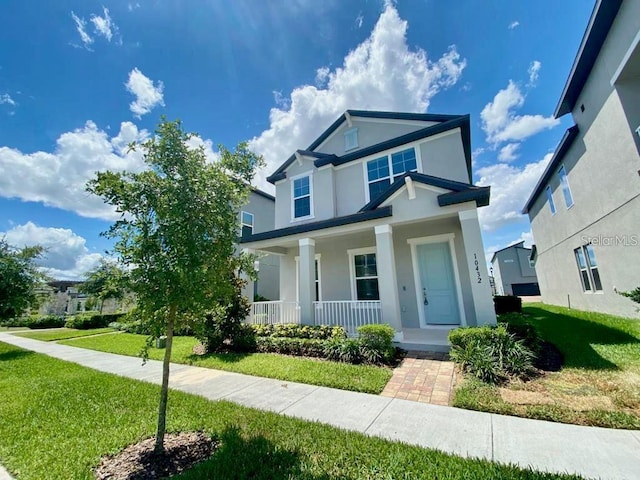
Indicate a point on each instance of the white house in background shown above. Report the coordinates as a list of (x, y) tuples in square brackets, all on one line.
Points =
[(513, 271), (376, 221), (585, 210)]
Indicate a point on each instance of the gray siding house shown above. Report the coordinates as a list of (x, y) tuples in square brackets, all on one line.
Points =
[(376, 221), (585, 210), (255, 217), (512, 271)]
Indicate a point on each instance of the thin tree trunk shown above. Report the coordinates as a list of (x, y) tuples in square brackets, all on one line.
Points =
[(164, 390), (101, 305)]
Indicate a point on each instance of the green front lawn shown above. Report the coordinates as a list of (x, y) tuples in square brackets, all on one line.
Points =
[(57, 419), (359, 378), (63, 334), (599, 383)]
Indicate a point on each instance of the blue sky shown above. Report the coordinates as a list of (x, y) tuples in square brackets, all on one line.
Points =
[(80, 79)]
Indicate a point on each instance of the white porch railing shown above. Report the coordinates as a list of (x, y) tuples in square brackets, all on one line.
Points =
[(349, 314), (274, 312)]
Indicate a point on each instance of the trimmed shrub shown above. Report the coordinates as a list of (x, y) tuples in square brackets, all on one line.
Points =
[(304, 347), (376, 343), (47, 321), (293, 330), (343, 350), (507, 304), (85, 321), (491, 354)]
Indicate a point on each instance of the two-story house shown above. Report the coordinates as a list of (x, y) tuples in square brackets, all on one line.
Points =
[(513, 272), (376, 221), (585, 210)]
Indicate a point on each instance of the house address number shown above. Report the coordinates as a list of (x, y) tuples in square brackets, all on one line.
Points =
[(477, 267)]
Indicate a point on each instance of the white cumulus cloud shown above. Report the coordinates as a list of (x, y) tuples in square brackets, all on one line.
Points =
[(104, 25), (534, 72), (502, 124), (510, 189), (382, 73), (66, 255), (148, 95), (508, 153), (58, 179)]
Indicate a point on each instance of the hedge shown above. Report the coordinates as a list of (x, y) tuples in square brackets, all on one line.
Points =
[(293, 330), (85, 321)]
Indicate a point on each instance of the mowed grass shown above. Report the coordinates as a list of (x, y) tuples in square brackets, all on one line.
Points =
[(63, 334), (598, 385), (57, 419), (358, 378)]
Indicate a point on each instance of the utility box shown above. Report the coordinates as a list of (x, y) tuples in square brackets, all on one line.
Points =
[(161, 342)]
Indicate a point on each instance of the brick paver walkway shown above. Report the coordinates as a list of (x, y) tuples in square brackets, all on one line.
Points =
[(422, 377)]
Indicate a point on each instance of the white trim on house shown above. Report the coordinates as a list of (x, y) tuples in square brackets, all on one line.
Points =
[(449, 238), (293, 208), (625, 59), (352, 269), (319, 281), (242, 222)]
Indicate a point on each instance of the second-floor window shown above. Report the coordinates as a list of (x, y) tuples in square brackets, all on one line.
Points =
[(588, 267), (552, 205), (380, 171), (564, 183), (302, 191), (246, 220)]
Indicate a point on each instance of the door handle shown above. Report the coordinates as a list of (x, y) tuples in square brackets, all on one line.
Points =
[(424, 296)]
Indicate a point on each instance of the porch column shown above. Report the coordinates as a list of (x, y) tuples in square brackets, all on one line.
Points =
[(248, 289), (387, 279), (307, 279), (477, 265)]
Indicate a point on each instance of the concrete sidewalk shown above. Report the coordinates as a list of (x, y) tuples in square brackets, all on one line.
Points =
[(588, 451)]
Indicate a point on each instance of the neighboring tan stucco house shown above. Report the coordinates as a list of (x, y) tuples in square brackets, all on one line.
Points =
[(513, 272), (585, 210), (255, 217), (376, 221)]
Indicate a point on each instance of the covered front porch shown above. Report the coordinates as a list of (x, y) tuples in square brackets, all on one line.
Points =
[(423, 278)]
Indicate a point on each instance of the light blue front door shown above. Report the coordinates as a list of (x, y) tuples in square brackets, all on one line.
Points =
[(438, 292)]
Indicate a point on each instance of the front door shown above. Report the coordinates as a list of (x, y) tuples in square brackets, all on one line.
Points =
[(438, 292)]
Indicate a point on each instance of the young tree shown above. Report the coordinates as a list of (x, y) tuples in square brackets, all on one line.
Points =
[(19, 277), (107, 280), (177, 232)]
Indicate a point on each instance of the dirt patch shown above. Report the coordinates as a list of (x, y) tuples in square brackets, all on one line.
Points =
[(550, 358), (138, 462), (524, 397)]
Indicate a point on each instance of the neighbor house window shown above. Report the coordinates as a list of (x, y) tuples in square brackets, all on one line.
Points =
[(381, 170), (588, 266), (246, 220), (564, 183), (552, 206), (350, 139), (302, 197), (318, 282), (365, 275)]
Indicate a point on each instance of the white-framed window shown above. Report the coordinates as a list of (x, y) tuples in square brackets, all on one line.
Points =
[(302, 197), (381, 170), (552, 205), (363, 267), (246, 222), (350, 139), (318, 282), (588, 267), (566, 190)]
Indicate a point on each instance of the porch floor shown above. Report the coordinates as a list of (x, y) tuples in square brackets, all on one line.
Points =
[(429, 339)]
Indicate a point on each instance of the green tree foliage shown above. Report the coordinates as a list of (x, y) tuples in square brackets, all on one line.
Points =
[(107, 280), (19, 277), (633, 294), (177, 232)]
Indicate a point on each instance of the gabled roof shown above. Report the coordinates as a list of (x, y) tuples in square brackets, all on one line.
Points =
[(446, 122), (604, 12), (460, 192), (519, 245), (567, 140), (262, 193)]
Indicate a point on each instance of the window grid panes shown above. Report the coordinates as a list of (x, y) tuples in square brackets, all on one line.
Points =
[(564, 183), (246, 220), (593, 267), (582, 267), (588, 266), (552, 205), (366, 277), (379, 170), (302, 197)]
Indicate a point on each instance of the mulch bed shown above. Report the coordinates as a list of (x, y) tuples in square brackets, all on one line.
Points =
[(138, 462), (550, 358)]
